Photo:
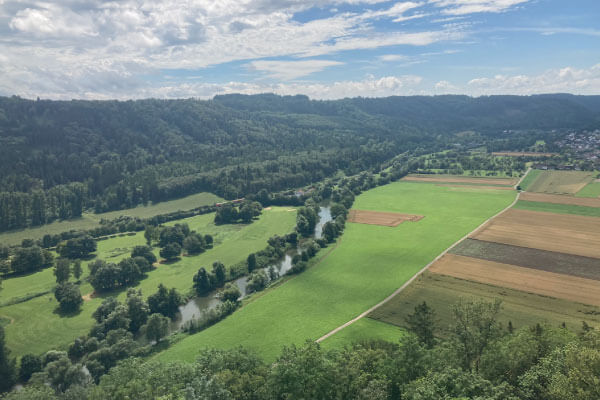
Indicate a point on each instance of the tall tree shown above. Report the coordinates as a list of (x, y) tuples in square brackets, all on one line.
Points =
[(422, 323)]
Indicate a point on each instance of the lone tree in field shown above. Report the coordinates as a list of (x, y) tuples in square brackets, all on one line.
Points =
[(68, 296), (422, 323), (157, 327)]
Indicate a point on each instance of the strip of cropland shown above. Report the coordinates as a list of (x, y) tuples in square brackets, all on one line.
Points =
[(369, 263), (90, 220), (470, 180), (571, 234), (441, 292), (558, 208), (521, 154), (560, 199), (36, 327), (590, 190)]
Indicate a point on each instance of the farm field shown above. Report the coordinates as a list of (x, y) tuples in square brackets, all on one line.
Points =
[(36, 328), (91, 220), (559, 199), (560, 182), (522, 309), (460, 179), (583, 267), (367, 265), (557, 208), (571, 234), (381, 218), (521, 154), (530, 178), (363, 330), (572, 288), (590, 190)]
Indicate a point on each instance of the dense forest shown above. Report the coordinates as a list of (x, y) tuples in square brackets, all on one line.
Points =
[(60, 158)]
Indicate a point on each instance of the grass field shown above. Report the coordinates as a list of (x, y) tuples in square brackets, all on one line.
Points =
[(90, 220), (523, 309), (364, 329), (36, 328), (590, 190), (470, 180), (530, 178), (560, 182), (558, 208), (369, 263)]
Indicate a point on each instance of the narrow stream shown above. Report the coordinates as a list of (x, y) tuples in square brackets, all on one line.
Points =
[(197, 305)]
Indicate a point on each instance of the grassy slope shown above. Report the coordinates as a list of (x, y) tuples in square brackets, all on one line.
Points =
[(523, 309), (36, 328), (589, 190), (530, 178), (90, 220), (558, 208), (369, 263), (362, 330)]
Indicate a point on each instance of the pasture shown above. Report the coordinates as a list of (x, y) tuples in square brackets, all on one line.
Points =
[(558, 208), (91, 220), (471, 180), (560, 182), (369, 263), (590, 190), (37, 328), (521, 308)]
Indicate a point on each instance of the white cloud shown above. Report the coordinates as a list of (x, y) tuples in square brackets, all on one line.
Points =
[(463, 7), (288, 70), (393, 57), (564, 80)]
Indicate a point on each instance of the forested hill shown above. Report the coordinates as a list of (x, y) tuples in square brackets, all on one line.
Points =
[(59, 157)]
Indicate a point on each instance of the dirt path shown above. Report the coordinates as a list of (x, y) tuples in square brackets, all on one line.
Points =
[(401, 288)]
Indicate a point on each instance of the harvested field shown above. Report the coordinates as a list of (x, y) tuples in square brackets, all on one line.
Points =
[(441, 292), (559, 199), (479, 187), (581, 290), (521, 154), (563, 233), (560, 263), (561, 182), (459, 179), (557, 208), (381, 218)]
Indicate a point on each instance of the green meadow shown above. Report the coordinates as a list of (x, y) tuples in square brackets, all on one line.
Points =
[(34, 325), (590, 190), (368, 264), (90, 220), (530, 178)]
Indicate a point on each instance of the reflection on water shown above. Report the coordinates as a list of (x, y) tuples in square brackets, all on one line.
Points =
[(197, 305)]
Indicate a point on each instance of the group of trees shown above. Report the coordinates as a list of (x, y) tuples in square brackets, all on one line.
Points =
[(172, 239), (478, 358), (229, 213), (105, 276), (205, 281), (22, 260)]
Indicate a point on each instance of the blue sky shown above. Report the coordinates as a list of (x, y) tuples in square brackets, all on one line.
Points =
[(96, 49)]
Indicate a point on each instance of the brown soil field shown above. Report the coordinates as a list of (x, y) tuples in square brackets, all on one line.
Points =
[(478, 187), (381, 218), (563, 233), (551, 261), (522, 154), (586, 291), (459, 179), (560, 199), (441, 292)]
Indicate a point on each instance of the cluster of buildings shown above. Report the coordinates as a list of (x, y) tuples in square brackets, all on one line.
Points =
[(584, 146)]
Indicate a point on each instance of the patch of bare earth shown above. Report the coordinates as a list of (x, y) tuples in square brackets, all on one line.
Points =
[(381, 218), (563, 233), (581, 290)]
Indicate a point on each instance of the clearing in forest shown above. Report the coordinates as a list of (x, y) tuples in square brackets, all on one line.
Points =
[(560, 199), (473, 180), (564, 233), (560, 182), (572, 288), (381, 218)]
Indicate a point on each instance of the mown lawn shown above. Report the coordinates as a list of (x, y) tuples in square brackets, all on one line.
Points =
[(369, 263), (558, 208), (90, 220), (36, 328)]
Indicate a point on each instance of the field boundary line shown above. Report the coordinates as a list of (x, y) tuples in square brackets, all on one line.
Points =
[(425, 268)]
